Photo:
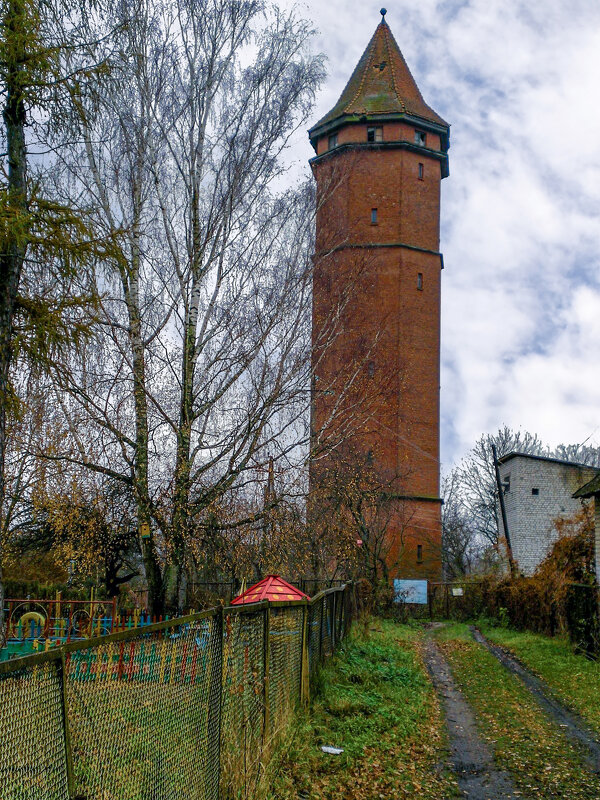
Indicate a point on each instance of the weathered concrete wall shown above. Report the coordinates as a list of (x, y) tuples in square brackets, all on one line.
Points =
[(531, 515)]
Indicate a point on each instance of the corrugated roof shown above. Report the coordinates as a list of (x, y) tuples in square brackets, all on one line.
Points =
[(270, 588), (381, 84)]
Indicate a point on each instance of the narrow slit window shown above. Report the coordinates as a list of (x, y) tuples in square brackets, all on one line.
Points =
[(420, 281), (419, 553), (374, 134), (333, 140), (373, 216), (421, 172), (420, 138)]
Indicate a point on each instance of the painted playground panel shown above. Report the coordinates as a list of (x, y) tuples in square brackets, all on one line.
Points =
[(175, 709)]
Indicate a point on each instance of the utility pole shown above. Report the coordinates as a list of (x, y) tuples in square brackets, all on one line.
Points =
[(511, 561)]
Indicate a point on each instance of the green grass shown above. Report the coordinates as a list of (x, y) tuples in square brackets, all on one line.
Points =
[(376, 702), (574, 679), (543, 763)]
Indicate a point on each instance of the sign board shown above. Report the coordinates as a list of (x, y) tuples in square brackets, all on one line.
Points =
[(410, 592), (457, 591)]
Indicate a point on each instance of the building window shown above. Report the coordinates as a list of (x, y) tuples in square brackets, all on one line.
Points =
[(420, 138), (371, 368), (419, 553), (333, 141), (374, 134), (373, 216), (420, 281), (506, 484), (535, 491), (421, 172)]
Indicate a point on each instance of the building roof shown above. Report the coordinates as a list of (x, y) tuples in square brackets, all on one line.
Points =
[(509, 456), (381, 84), (590, 488), (270, 588)]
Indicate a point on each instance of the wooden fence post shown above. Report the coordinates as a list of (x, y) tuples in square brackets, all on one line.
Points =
[(61, 666), (215, 699), (322, 604), (304, 666), (266, 656)]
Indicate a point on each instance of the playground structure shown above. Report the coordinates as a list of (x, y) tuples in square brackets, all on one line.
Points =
[(192, 707), (33, 624)]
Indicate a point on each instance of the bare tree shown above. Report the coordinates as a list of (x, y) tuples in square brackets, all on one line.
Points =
[(202, 366), (461, 544)]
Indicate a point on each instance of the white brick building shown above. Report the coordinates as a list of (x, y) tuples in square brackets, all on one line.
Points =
[(537, 491)]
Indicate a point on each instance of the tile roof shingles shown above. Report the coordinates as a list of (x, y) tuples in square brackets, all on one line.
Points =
[(381, 84)]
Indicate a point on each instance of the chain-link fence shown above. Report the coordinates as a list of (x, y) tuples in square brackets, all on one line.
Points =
[(187, 708)]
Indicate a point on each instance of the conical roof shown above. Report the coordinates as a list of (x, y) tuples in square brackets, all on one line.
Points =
[(381, 84), (270, 588)]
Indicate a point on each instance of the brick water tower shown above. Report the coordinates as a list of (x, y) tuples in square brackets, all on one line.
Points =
[(381, 154)]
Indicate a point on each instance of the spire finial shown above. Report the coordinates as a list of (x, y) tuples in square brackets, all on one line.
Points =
[(383, 12)]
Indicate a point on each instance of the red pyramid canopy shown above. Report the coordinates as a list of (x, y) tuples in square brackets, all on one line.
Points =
[(270, 588)]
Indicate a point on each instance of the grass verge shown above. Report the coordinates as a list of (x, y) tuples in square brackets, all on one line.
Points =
[(573, 679), (543, 763), (375, 701)]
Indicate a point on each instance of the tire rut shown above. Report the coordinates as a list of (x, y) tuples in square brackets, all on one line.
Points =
[(570, 723), (471, 758)]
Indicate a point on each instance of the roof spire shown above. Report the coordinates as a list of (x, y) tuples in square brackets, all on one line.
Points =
[(380, 84)]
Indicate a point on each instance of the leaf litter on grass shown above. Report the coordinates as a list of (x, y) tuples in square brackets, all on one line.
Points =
[(526, 742), (375, 702)]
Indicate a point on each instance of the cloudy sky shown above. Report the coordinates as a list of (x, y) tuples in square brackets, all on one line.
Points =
[(519, 83)]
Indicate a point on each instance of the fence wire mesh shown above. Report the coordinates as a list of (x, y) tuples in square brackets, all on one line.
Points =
[(243, 708), (315, 619), (327, 627), (285, 663), (184, 709), (143, 706), (33, 758)]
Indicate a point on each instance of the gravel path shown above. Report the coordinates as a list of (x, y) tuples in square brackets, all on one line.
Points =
[(471, 757), (570, 722)]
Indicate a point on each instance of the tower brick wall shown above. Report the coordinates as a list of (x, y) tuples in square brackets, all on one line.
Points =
[(376, 296)]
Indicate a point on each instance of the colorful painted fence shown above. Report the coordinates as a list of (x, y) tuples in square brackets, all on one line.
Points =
[(184, 709), (32, 625)]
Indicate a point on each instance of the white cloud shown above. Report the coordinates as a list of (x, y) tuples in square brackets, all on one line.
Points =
[(521, 209)]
